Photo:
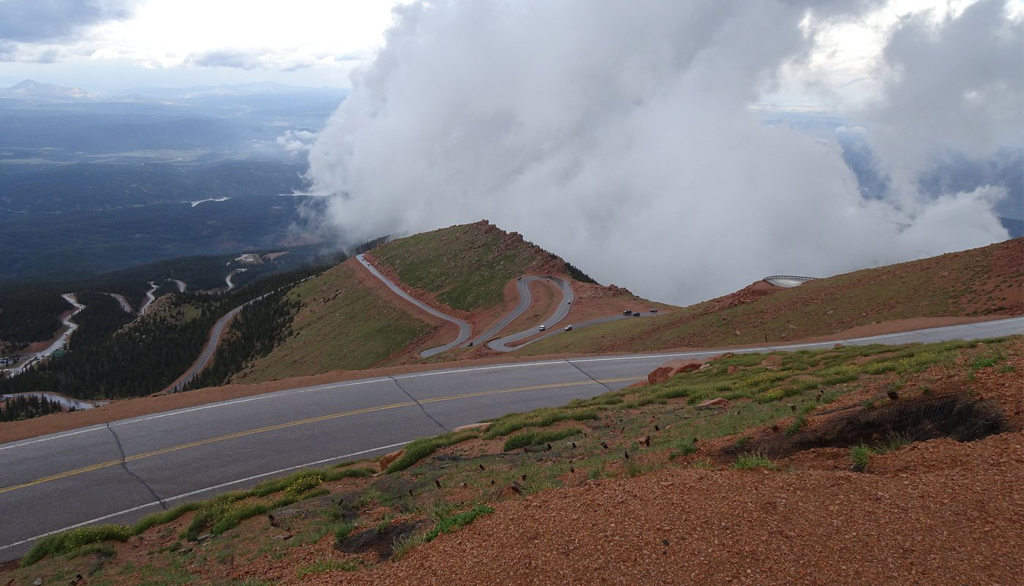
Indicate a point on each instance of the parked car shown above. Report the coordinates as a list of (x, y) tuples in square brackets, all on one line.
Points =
[(568, 328)]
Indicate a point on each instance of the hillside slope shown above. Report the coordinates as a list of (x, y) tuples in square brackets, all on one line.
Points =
[(345, 322), (350, 321), (987, 281), (851, 465), (465, 267)]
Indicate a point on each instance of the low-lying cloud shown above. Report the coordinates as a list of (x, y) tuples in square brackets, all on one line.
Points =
[(622, 137)]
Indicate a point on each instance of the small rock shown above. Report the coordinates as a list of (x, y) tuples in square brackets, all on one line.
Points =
[(717, 402)]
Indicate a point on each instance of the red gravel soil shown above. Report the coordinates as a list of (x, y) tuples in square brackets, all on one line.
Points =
[(940, 512)]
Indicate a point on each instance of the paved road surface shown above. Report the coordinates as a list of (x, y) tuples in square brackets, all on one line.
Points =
[(562, 310), (120, 472), (209, 349), (59, 343), (464, 328)]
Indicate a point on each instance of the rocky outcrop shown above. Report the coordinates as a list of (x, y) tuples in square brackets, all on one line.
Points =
[(670, 369)]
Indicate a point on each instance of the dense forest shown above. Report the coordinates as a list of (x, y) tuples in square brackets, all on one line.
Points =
[(254, 332), (136, 360), (30, 312), (27, 407), (114, 355)]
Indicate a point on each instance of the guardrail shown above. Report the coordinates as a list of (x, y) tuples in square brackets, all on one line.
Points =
[(789, 278)]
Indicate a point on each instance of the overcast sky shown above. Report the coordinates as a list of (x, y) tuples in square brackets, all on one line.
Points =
[(115, 44), (628, 136), (624, 135)]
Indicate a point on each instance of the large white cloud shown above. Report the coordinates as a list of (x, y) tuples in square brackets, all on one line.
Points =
[(620, 136)]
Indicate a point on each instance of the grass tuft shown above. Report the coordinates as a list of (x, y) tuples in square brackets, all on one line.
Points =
[(860, 456), (421, 448), (752, 461), (539, 418), (536, 438), (69, 541)]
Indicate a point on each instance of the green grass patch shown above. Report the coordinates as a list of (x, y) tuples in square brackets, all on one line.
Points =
[(164, 517), (466, 266), (539, 418), (73, 539), (421, 448), (446, 523), (752, 461), (537, 438), (860, 456), (798, 423), (457, 521), (684, 447), (341, 324)]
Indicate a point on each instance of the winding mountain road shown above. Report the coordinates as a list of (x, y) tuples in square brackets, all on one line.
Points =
[(124, 470), (57, 344), (522, 285), (465, 330)]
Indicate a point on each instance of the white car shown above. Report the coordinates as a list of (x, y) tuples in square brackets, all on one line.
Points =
[(568, 328), (542, 328)]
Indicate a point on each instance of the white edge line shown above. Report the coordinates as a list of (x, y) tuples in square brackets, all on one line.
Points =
[(50, 437), (201, 490), (187, 410)]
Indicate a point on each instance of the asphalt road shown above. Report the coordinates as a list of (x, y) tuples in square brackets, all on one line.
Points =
[(562, 310), (464, 328), (59, 343), (208, 349), (123, 471)]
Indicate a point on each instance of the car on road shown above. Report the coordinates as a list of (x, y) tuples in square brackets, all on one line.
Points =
[(636, 314), (568, 328), (542, 328), (654, 310), (627, 312)]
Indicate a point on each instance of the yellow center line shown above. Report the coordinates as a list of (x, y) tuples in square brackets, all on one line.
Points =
[(279, 426)]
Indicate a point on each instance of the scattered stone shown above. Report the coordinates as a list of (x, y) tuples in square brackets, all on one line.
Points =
[(670, 369), (716, 403), (384, 461)]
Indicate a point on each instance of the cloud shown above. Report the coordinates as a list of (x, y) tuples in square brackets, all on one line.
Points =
[(266, 58), (621, 137), (296, 141), (956, 85), (226, 58), (36, 20)]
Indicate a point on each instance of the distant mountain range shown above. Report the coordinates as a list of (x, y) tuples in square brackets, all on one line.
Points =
[(31, 90)]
